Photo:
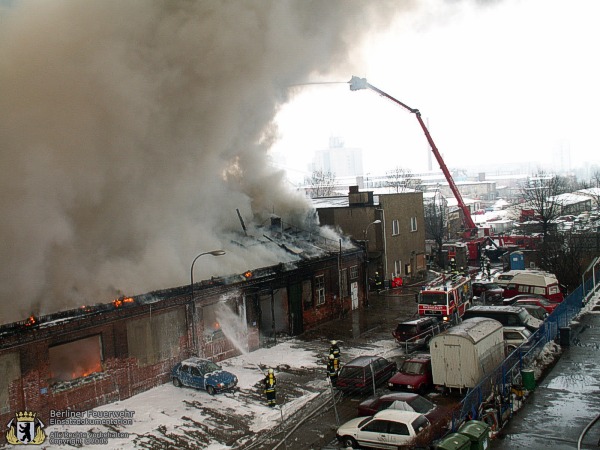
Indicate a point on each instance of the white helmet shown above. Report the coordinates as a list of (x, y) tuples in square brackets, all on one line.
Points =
[(333, 342), (270, 370)]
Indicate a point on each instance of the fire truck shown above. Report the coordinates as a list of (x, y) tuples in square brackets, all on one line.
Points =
[(447, 298)]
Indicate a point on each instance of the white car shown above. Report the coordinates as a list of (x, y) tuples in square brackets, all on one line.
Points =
[(389, 428), (515, 337)]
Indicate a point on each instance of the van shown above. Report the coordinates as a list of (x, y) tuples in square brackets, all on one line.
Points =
[(357, 375), (541, 283), (504, 278), (508, 316)]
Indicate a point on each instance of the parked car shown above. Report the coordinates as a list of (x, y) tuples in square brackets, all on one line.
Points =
[(543, 302), (406, 401), (487, 291), (357, 375), (536, 311), (390, 428), (414, 375), (515, 337), (203, 374), (511, 300), (417, 333), (506, 315)]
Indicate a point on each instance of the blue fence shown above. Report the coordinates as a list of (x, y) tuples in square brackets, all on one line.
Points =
[(492, 399)]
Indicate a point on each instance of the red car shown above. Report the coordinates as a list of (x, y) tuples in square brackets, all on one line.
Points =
[(400, 400), (414, 375), (544, 303), (438, 415)]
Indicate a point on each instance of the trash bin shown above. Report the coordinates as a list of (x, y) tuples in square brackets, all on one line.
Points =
[(478, 433), (454, 441), (528, 377), (565, 336)]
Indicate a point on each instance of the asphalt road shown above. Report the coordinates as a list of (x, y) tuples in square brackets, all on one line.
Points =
[(358, 328)]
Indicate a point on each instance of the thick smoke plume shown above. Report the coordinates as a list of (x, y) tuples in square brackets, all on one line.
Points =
[(131, 131)]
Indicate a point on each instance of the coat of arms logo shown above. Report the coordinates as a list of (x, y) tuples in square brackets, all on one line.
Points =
[(25, 428)]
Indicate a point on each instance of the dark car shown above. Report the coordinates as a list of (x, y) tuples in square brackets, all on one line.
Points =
[(203, 374), (487, 291), (543, 302), (511, 300), (357, 375), (417, 333), (414, 375)]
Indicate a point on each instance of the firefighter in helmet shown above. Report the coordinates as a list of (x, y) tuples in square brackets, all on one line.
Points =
[(269, 390), (335, 350), (333, 367)]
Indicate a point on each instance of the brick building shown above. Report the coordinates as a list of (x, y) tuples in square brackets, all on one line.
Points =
[(86, 357)]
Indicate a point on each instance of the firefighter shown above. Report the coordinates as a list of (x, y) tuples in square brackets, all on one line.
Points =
[(335, 351), (378, 284), (269, 391), (333, 367)]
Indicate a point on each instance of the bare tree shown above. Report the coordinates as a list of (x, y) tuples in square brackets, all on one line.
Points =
[(321, 184), (436, 225), (539, 193), (567, 254), (596, 179), (402, 180)]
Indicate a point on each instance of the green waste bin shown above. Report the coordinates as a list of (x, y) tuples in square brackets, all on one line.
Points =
[(528, 377), (478, 433), (454, 441)]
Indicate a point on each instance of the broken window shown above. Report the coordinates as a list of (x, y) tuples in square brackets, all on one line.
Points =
[(76, 359)]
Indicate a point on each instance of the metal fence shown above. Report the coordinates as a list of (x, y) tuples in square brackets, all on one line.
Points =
[(492, 400)]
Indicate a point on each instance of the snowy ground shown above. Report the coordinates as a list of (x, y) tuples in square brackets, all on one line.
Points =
[(168, 417)]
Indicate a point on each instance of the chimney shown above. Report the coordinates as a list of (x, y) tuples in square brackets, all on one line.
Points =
[(356, 198)]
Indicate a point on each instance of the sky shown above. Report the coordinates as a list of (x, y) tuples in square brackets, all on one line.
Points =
[(496, 81)]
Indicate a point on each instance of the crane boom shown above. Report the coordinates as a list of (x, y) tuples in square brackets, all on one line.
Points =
[(357, 83)]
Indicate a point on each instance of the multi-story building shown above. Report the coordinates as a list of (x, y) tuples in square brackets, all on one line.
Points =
[(391, 227)]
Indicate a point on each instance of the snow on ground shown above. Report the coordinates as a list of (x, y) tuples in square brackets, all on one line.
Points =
[(171, 417)]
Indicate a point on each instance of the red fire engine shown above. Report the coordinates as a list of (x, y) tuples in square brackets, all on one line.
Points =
[(447, 298)]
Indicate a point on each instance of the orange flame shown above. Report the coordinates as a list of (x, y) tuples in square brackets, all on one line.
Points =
[(31, 320), (121, 301)]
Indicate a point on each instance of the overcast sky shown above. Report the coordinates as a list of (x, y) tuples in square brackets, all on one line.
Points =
[(510, 80)]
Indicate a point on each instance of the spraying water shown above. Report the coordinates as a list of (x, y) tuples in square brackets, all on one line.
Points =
[(233, 324)]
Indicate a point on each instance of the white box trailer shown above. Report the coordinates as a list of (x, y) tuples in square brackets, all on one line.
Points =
[(462, 355)]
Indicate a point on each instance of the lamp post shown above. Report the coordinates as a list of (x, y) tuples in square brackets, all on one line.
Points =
[(213, 253), (367, 260)]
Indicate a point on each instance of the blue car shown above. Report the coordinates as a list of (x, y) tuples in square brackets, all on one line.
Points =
[(203, 374)]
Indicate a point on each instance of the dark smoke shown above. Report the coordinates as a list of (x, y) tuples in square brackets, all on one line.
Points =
[(132, 130)]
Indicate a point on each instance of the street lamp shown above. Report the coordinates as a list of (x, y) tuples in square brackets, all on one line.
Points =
[(193, 309), (213, 253), (367, 260)]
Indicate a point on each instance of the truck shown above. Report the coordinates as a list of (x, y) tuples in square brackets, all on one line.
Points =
[(464, 354), (446, 298)]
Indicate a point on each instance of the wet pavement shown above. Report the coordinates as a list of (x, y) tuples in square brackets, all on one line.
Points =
[(565, 401)]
